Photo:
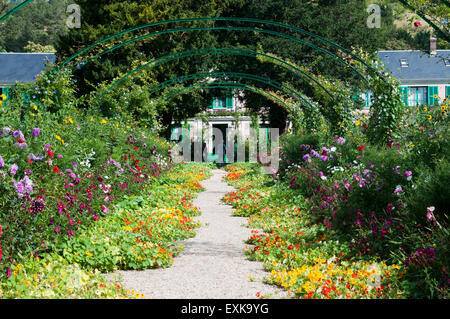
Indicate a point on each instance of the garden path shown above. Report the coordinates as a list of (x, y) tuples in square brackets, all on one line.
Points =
[(213, 264)]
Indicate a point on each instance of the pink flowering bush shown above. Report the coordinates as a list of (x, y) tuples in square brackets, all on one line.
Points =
[(60, 173), (388, 201)]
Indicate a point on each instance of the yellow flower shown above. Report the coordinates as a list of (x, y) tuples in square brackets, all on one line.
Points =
[(425, 109), (88, 254), (3, 96), (1, 103), (70, 120), (103, 121), (62, 141), (35, 107), (435, 96), (58, 137), (429, 117), (92, 118), (358, 122)]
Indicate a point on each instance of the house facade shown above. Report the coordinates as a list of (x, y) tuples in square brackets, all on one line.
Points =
[(21, 67), (424, 76)]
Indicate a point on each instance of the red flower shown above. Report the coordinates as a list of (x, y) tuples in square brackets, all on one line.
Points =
[(324, 152), (417, 24), (126, 157), (361, 148), (55, 169), (20, 140), (50, 154)]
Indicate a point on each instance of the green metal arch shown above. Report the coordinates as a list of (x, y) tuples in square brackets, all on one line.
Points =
[(238, 85), (239, 52), (258, 21), (271, 32), (13, 10), (272, 83)]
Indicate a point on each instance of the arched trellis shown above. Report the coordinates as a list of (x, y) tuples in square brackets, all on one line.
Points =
[(285, 89), (251, 20), (239, 52), (215, 28), (13, 10)]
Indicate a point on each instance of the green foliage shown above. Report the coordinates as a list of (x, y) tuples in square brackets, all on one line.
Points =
[(39, 22)]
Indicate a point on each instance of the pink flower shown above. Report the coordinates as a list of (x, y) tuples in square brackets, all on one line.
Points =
[(430, 215), (105, 209)]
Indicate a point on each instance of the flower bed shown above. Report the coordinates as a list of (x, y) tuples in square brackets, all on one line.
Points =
[(305, 257)]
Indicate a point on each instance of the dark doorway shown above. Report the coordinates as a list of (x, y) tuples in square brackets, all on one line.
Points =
[(221, 145)]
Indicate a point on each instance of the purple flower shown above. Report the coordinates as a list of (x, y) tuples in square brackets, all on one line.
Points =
[(27, 172), (13, 170), (23, 186), (36, 157), (6, 131), (314, 154), (35, 132), (324, 158), (307, 158), (18, 134), (2, 162), (59, 156), (339, 140)]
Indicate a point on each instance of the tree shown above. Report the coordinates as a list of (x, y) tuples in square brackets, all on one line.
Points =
[(104, 18), (40, 22)]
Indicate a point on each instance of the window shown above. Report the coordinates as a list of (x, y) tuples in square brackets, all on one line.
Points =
[(447, 62), (404, 63), (218, 103), (433, 95), (417, 96), (224, 102)]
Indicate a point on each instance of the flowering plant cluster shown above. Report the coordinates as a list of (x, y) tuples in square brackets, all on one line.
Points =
[(304, 257), (372, 201)]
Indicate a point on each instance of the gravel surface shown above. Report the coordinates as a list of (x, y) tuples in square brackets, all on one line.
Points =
[(213, 264)]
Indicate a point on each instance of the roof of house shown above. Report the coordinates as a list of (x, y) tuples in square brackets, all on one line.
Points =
[(417, 67), (22, 67)]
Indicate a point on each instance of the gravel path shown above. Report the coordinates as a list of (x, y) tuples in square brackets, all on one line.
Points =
[(213, 264)]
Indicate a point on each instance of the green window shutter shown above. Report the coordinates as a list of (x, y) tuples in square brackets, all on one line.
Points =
[(229, 100), (404, 93), (447, 92), (432, 91), (211, 106)]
